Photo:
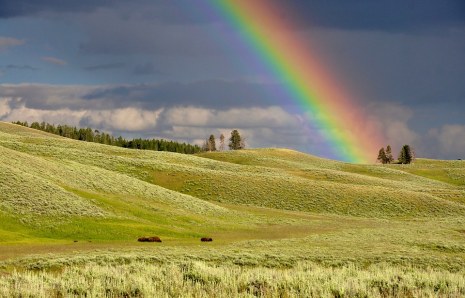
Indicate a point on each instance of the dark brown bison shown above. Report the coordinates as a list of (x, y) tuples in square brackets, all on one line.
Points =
[(149, 239), (206, 239), (154, 239)]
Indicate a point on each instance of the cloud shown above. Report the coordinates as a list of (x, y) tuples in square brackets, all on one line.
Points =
[(143, 35), (124, 119), (450, 139), (19, 67), (216, 94), (205, 93), (386, 66), (8, 42), (399, 125), (18, 8), (392, 16), (146, 69), (270, 117), (192, 111), (262, 127), (55, 61), (392, 122), (5, 108), (107, 66), (61, 116), (51, 97)]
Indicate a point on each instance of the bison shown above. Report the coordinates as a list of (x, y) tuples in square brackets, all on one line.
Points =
[(149, 239), (206, 239)]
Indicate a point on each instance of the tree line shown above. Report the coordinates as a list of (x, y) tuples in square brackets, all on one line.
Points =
[(236, 142), (406, 155), (96, 136)]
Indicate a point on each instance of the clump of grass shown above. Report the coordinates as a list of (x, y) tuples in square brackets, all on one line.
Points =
[(202, 279)]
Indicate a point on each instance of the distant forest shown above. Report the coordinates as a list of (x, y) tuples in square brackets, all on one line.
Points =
[(90, 135)]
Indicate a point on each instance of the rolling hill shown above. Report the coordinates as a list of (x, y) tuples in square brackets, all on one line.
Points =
[(283, 223), (55, 188)]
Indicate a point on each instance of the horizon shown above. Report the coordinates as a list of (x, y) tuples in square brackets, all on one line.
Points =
[(217, 139)]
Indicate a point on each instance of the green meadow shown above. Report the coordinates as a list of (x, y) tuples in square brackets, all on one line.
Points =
[(283, 223)]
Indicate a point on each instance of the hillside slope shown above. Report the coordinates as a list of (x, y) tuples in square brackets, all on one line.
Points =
[(56, 188), (47, 193)]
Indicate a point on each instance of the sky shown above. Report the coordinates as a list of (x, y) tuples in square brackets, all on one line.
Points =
[(178, 70)]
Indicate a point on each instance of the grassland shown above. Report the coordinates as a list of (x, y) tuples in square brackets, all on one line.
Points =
[(283, 223)]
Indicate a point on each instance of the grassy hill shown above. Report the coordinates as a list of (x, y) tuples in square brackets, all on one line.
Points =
[(58, 188), (279, 219)]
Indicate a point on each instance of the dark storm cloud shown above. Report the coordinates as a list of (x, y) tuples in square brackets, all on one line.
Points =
[(106, 66), (209, 94), (212, 94), (416, 70), (169, 12), (394, 15), (136, 35), (146, 69), (19, 67), (18, 8)]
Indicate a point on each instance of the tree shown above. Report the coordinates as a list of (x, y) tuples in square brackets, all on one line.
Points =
[(222, 142), (242, 143), (205, 146), (382, 156), (235, 140), (406, 155), (90, 135), (211, 143), (389, 157)]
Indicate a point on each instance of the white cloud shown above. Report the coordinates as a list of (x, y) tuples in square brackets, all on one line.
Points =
[(55, 61), (61, 116), (450, 139), (7, 42), (123, 119), (237, 117), (5, 106), (392, 121), (261, 127)]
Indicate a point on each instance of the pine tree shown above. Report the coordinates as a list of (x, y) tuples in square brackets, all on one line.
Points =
[(235, 140), (89, 135), (389, 157), (222, 142), (212, 143), (401, 157), (406, 155), (206, 146), (382, 156)]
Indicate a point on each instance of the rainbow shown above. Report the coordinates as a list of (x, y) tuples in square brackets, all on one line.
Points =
[(305, 82)]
